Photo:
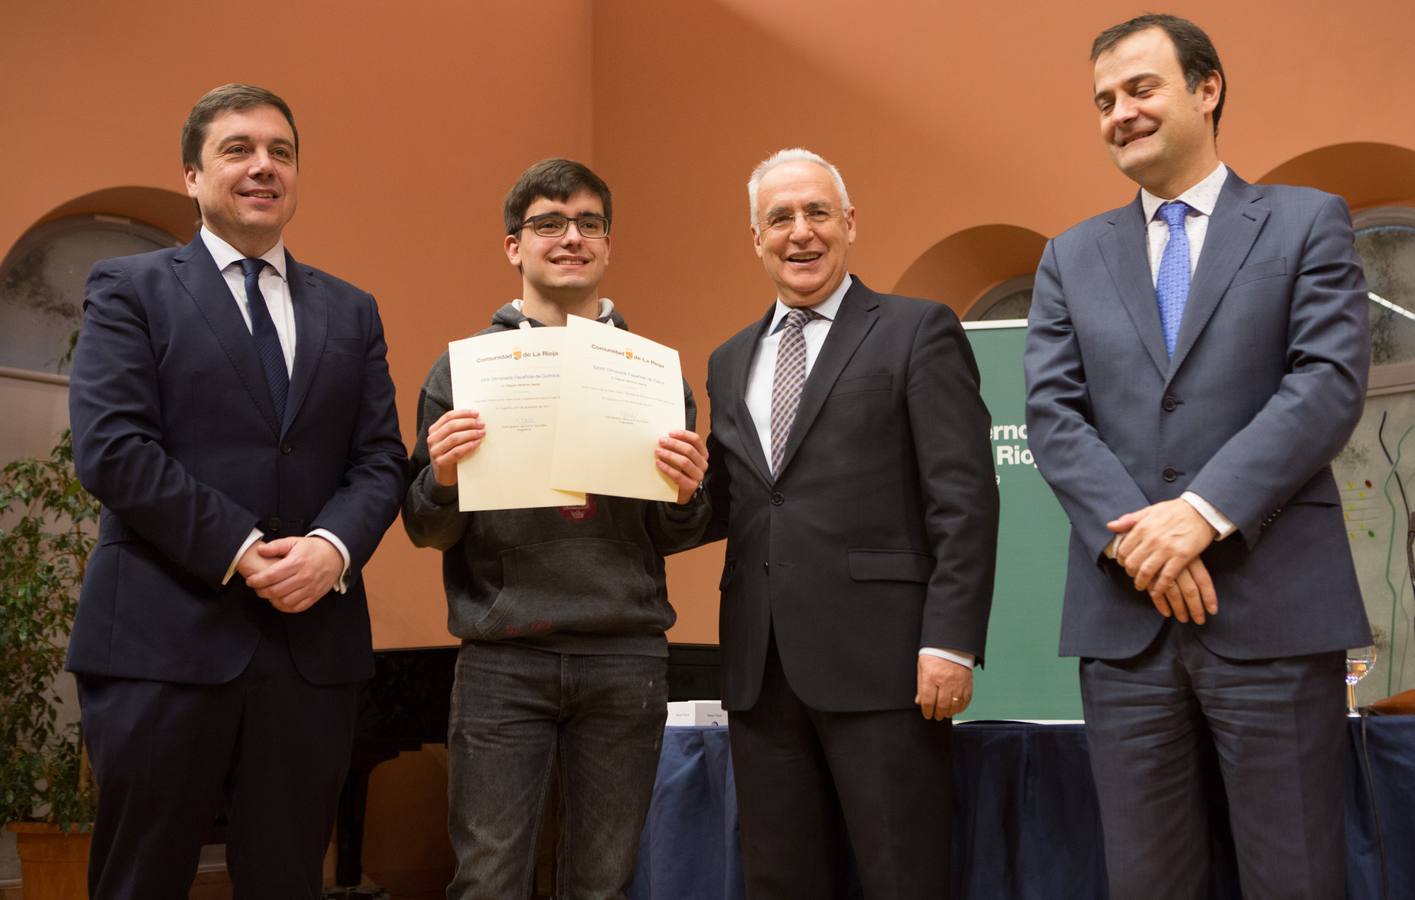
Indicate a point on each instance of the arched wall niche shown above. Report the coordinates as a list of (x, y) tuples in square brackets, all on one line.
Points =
[(962, 267), (1366, 174), (169, 211)]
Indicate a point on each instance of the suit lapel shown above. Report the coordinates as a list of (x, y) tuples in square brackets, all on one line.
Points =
[(1128, 259), (739, 365), (196, 271), (859, 310), (1233, 228), (311, 327)]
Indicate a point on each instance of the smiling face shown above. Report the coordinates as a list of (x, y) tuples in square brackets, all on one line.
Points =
[(1159, 132), (806, 260), (564, 269), (245, 185)]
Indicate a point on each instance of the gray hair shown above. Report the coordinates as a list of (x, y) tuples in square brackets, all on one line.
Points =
[(793, 154)]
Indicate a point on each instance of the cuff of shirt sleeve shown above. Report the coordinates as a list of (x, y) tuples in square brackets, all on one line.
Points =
[(342, 584), (251, 538), (957, 656), (1218, 520)]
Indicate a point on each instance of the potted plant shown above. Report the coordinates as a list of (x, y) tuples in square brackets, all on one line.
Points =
[(46, 793)]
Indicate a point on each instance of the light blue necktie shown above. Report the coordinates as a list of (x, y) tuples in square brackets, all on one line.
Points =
[(1172, 285), (267, 340)]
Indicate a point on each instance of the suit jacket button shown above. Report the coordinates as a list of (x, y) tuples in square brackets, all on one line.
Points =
[(1170, 474), (272, 524), (777, 498), (1169, 404), (286, 449)]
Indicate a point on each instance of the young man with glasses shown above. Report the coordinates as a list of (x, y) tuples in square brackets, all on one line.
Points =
[(561, 611)]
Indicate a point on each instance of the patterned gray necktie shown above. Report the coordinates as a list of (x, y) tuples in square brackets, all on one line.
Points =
[(788, 380)]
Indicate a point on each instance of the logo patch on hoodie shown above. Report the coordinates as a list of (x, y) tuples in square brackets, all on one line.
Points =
[(580, 513)]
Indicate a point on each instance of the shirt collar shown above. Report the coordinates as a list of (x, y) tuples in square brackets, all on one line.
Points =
[(225, 255), (1201, 198), (826, 309)]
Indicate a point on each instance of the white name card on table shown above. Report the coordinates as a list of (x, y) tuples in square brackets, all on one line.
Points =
[(696, 712)]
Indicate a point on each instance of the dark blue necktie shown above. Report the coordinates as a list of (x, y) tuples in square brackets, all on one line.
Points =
[(267, 341), (1172, 284)]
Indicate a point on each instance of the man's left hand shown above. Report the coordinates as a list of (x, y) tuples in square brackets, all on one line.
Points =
[(308, 568), (1159, 541), (683, 457), (945, 687)]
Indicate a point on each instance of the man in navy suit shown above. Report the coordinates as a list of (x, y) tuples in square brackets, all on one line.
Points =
[(1195, 360), (233, 412)]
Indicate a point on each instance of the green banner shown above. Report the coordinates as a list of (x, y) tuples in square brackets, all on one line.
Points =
[(1024, 678)]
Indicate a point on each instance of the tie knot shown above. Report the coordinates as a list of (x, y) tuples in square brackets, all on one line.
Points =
[(797, 318), (1174, 212), (251, 266)]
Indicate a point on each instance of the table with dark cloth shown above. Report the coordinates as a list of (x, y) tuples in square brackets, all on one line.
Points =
[(1025, 818)]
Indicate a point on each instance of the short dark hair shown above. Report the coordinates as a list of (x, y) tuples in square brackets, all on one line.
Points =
[(219, 100), (1197, 56), (555, 179)]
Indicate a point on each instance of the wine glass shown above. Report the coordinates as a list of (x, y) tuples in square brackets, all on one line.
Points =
[(1359, 663)]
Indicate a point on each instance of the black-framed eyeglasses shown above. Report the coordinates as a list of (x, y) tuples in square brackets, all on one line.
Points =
[(783, 220), (551, 225)]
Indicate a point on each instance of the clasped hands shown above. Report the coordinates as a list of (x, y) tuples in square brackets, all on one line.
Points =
[(291, 573), (457, 433), (1159, 548)]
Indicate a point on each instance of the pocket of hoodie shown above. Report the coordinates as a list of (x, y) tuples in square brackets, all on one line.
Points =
[(578, 584)]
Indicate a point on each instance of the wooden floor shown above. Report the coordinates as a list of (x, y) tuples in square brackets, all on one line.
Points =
[(214, 885)]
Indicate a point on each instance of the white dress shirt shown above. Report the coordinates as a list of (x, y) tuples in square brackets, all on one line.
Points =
[(763, 372), (274, 288), (1201, 198)]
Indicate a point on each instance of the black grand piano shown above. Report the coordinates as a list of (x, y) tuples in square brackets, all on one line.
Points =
[(405, 706)]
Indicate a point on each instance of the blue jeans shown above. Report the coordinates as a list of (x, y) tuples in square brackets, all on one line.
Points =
[(515, 713)]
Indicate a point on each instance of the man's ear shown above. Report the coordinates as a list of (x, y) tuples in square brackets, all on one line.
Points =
[(1210, 89)]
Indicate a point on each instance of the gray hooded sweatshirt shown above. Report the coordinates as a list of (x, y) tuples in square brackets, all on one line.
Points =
[(576, 579)]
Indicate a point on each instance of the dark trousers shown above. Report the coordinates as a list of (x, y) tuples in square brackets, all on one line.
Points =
[(269, 748), (518, 712), (1277, 727), (812, 786)]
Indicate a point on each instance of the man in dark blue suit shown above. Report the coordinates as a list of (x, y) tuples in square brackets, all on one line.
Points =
[(1195, 359), (232, 410)]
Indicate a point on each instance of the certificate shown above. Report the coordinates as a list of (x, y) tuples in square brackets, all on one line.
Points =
[(512, 379), (619, 393)]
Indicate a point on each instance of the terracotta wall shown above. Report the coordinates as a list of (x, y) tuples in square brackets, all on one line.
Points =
[(415, 118), (948, 120), (965, 132)]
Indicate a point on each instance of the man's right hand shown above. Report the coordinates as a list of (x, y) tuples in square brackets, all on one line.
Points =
[(451, 439), (252, 562), (1191, 596)]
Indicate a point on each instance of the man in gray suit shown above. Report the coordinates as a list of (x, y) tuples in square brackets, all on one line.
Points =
[(1194, 361)]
